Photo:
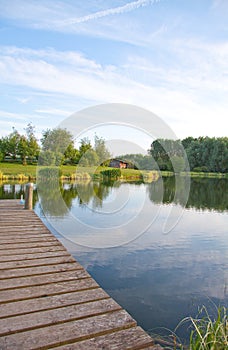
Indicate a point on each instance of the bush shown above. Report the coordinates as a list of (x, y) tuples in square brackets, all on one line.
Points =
[(111, 173), (200, 169), (49, 173)]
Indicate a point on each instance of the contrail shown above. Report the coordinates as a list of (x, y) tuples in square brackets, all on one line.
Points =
[(112, 11)]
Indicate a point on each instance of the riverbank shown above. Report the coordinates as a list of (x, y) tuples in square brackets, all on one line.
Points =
[(196, 174), (12, 171)]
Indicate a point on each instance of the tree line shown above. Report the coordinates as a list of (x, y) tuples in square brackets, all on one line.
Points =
[(202, 154), (56, 147)]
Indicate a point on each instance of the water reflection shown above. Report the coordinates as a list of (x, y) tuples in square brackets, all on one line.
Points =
[(205, 193)]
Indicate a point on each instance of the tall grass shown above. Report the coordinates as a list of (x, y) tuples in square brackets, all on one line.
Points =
[(206, 332), (209, 333)]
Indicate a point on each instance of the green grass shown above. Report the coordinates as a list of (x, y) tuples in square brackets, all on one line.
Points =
[(209, 333), (13, 171), (206, 332), (196, 174)]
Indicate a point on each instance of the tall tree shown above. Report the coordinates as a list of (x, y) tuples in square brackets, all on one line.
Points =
[(101, 150), (12, 143), (33, 146), (56, 140)]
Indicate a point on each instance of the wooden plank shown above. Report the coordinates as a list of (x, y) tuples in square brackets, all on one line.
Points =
[(19, 282), (29, 224), (23, 232), (51, 302), (55, 316), (29, 245), (30, 251), (36, 262), (133, 338), (39, 270), (44, 338), (43, 238), (47, 290), (22, 257)]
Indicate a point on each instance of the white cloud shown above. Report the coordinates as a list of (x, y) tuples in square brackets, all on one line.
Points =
[(54, 111), (192, 93), (130, 6), (73, 18)]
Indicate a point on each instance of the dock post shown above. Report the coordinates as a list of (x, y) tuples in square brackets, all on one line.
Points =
[(28, 196)]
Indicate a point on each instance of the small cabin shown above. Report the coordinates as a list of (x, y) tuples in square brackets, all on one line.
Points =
[(117, 163)]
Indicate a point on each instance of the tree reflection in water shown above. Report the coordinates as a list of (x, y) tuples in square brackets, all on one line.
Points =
[(57, 198)]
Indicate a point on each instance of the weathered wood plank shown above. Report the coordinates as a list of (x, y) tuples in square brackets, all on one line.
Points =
[(19, 282), (22, 257), (5, 232), (44, 338), (18, 252), (133, 338), (29, 245), (47, 290), (39, 270), (29, 223), (18, 240), (55, 316), (36, 262), (51, 302)]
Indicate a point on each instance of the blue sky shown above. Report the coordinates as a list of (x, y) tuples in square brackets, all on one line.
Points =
[(167, 56)]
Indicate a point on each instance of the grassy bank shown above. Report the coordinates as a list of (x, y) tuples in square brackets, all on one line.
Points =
[(14, 171), (196, 174), (11, 171)]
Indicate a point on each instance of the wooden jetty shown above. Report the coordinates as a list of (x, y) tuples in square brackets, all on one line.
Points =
[(48, 300)]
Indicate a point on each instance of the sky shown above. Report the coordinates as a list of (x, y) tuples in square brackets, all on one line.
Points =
[(169, 57)]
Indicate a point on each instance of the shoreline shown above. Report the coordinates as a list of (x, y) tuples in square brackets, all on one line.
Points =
[(12, 172)]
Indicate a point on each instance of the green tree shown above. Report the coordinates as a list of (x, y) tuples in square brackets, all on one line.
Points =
[(23, 149), (178, 164), (89, 158), (4, 146), (85, 145), (102, 152), (1, 156), (47, 158), (71, 154), (33, 146), (56, 140), (12, 142)]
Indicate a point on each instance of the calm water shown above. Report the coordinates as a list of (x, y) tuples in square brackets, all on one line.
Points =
[(119, 234)]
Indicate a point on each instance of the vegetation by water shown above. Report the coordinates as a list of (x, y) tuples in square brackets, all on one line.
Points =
[(12, 171), (206, 332), (202, 154), (56, 147)]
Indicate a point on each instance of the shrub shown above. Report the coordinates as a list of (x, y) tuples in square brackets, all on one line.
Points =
[(200, 169), (49, 173), (111, 173)]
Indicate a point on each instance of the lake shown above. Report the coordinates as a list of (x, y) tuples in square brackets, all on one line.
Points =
[(157, 257)]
